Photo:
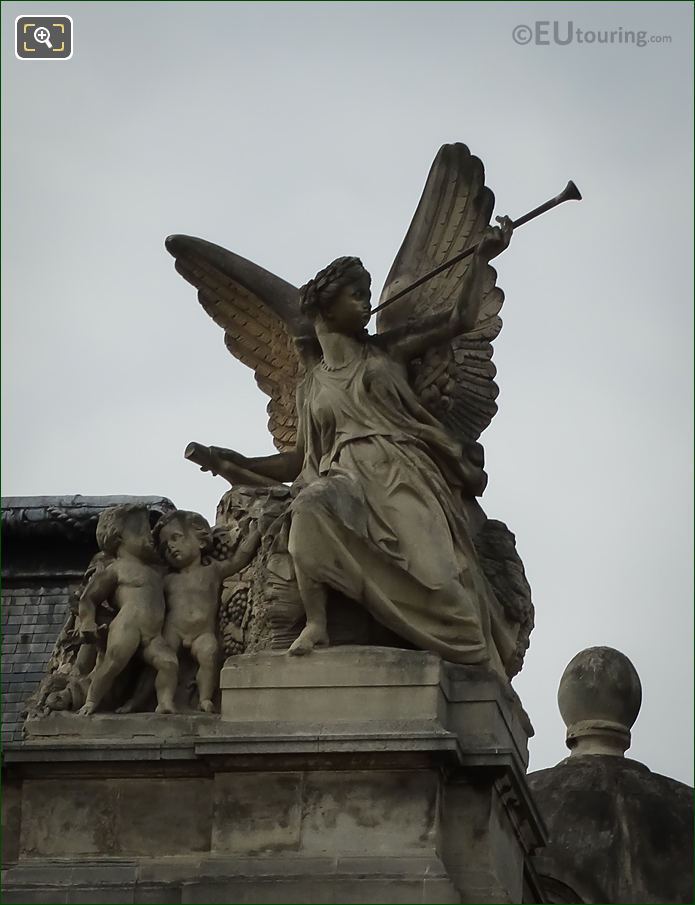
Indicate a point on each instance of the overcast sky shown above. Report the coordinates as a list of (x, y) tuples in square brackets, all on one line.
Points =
[(293, 133)]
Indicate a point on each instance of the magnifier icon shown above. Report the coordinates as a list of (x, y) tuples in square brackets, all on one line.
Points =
[(43, 36)]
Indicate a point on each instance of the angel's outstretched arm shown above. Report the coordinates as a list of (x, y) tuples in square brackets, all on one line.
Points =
[(282, 467), (240, 469), (442, 328)]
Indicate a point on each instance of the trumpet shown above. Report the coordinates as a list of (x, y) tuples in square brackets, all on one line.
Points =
[(569, 193)]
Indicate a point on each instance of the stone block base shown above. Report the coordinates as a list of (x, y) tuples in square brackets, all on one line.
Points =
[(351, 775)]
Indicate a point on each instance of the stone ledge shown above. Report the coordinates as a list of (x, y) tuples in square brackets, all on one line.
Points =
[(57, 871), (241, 740), (280, 890), (274, 878), (276, 705)]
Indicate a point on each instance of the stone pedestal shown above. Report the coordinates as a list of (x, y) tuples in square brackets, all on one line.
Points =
[(350, 775)]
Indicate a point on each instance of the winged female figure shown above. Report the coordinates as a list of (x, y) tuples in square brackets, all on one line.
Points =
[(379, 432)]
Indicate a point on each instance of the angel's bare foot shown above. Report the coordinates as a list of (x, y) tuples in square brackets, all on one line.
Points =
[(207, 706), (126, 708), (86, 709), (165, 707), (312, 636)]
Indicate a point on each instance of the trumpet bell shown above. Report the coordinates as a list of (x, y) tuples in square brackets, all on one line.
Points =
[(571, 192)]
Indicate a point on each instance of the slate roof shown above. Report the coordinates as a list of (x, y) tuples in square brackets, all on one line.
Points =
[(31, 623)]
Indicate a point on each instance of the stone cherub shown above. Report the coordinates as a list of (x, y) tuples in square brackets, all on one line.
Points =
[(66, 683), (133, 583), (380, 431), (192, 592)]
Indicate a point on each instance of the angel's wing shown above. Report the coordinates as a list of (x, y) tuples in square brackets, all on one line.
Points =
[(260, 315), (456, 382)]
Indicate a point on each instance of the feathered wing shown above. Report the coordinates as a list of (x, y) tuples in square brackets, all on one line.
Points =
[(260, 315), (455, 382)]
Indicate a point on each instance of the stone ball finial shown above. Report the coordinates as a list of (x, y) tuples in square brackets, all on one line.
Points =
[(599, 698)]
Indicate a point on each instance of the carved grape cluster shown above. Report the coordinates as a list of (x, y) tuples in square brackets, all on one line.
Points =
[(232, 647), (233, 616), (222, 545)]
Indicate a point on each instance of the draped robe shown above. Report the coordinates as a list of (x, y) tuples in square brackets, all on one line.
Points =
[(380, 517)]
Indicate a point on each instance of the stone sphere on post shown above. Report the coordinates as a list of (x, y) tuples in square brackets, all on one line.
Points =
[(599, 699)]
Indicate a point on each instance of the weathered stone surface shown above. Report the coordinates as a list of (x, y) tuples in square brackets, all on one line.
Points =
[(63, 727), (255, 880), (35, 895), (374, 812), (257, 812), (481, 707), (11, 820), (157, 894), (156, 814), (201, 808), (355, 683), (66, 818), (488, 861), (343, 683), (617, 831), (599, 699), (109, 816)]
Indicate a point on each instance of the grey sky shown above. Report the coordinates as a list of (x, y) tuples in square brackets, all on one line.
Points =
[(293, 133)]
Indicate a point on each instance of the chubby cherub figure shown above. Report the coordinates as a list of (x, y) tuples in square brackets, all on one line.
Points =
[(133, 583), (193, 590)]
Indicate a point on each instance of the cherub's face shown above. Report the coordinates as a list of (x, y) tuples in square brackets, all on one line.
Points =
[(59, 700), (136, 537), (350, 310), (179, 544)]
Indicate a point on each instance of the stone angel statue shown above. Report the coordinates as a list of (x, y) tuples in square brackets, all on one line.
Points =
[(379, 432)]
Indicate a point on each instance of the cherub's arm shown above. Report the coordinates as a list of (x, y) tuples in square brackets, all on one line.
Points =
[(442, 328), (242, 556), (99, 589)]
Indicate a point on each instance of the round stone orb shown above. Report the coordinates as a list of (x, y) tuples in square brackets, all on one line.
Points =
[(599, 688)]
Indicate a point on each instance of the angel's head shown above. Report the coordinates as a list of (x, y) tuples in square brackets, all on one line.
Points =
[(340, 295)]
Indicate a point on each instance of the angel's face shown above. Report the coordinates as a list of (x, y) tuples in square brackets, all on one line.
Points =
[(350, 310)]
